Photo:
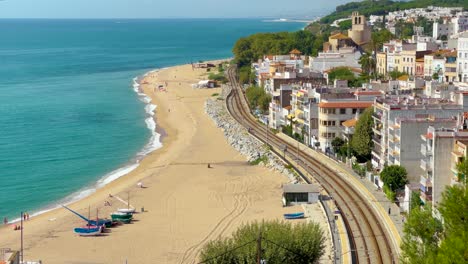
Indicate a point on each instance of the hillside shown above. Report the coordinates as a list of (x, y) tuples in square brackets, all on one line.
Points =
[(380, 7)]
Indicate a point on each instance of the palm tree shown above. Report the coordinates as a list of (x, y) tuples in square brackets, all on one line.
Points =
[(367, 62)]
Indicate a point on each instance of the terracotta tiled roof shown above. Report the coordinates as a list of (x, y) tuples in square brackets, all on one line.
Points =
[(295, 52), (339, 36), (349, 104), (350, 123)]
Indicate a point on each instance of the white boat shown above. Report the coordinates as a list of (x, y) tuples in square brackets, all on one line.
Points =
[(126, 210)]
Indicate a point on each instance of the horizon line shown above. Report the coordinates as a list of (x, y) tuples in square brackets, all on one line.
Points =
[(155, 18)]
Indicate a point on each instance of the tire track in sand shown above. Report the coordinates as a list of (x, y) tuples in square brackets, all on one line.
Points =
[(241, 203)]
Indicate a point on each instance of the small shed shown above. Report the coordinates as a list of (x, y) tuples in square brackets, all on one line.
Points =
[(300, 194)]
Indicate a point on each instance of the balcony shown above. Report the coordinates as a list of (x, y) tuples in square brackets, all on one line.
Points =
[(425, 182), (426, 196), (377, 140), (426, 165), (426, 150), (376, 131)]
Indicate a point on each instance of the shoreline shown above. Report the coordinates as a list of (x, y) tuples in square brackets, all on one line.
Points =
[(185, 204), (153, 144)]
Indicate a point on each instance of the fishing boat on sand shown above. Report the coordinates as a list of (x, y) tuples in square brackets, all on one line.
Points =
[(294, 216), (129, 209), (98, 222), (88, 231), (122, 217)]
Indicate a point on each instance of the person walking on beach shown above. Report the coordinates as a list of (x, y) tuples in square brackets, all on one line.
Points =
[(5, 221)]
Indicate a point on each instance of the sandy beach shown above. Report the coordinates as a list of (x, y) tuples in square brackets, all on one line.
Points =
[(186, 204)]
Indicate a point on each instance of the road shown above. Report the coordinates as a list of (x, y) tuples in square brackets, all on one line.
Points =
[(370, 242)]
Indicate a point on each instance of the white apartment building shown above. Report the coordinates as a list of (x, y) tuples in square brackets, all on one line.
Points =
[(439, 152), (332, 114), (327, 60), (404, 137), (388, 110), (449, 27), (462, 59)]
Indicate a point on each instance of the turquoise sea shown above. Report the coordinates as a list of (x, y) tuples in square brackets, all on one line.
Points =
[(70, 120)]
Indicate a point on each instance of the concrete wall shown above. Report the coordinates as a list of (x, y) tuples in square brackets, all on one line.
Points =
[(410, 154), (441, 174)]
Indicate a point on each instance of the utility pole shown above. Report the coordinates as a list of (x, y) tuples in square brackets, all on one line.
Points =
[(259, 248), (22, 222), (267, 132)]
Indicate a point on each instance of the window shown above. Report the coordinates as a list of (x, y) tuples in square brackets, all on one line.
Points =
[(354, 111), (343, 111), (327, 123)]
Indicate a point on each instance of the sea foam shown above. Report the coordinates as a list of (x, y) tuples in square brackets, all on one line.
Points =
[(153, 144)]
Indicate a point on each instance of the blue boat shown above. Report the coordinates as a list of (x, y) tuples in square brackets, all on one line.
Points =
[(99, 222), (88, 231), (294, 216)]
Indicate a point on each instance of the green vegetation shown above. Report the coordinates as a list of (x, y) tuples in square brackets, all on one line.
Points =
[(259, 160), (394, 177), (258, 98), (337, 143), (359, 169), (380, 7), (251, 48), (344, 73), (429, 240), (368, 63), (378, 38), (281, 242), (246, 75), (219, 77), (345, 25), (396, 74), (215, 94), (362, 139), (462, 168)]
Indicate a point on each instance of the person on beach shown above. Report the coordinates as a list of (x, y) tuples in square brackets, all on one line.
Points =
[(27, 216), (140, 184), (5, 221)]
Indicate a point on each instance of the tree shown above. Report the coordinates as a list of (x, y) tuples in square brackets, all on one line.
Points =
[(429, 240), (454, 210), (396, 74), (378, 38), (282, 242), (422, 234), (361, 142), (367, 62), (462, 168), (258, 98), (341, 73), (345, 25), (394, 176), (337, 143)]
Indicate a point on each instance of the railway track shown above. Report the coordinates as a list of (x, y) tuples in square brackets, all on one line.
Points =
[(369, 241)]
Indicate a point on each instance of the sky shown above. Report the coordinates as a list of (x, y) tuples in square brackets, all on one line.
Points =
[(165, 8)]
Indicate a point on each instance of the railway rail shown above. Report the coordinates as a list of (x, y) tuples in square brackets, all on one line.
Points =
[(369, 240)]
